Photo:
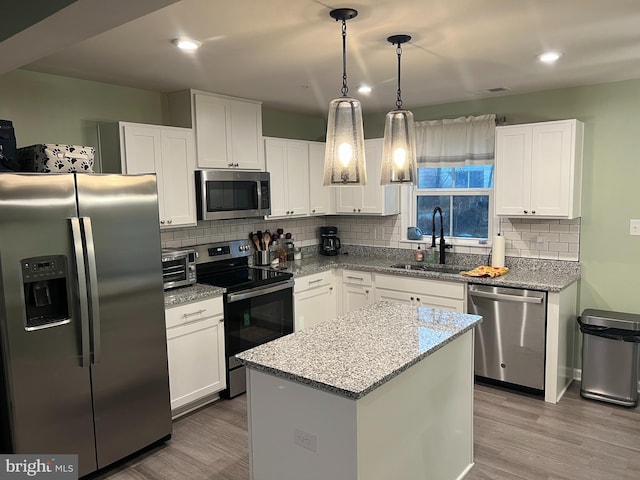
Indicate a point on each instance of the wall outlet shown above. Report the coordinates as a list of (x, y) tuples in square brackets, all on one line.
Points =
[(304, 439), (634, 227)]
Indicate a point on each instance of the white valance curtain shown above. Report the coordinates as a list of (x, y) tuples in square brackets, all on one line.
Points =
[(456, 142)]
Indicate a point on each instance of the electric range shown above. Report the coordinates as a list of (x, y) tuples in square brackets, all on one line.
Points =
[(258, 302)]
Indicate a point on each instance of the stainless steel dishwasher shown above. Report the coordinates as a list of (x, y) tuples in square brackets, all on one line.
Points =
[(510, 340)]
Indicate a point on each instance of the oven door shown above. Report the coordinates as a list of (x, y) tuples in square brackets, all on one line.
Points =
[(257, 316), (253, 317)]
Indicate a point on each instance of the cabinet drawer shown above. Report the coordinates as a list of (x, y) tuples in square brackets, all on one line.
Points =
[(193, 311), (357, 278), (424, 286), (315, 280)]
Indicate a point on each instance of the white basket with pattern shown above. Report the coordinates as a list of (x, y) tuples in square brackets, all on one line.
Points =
[(56, 158)]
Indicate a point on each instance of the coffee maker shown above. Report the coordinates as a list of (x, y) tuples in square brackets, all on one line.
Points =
[(329, 241)]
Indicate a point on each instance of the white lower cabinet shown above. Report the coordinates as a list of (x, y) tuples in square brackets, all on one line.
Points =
[(195, 347), (314, 299), (357, 290), (421, 291)]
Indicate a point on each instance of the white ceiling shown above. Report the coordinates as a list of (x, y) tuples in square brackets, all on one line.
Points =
[(287, 53)]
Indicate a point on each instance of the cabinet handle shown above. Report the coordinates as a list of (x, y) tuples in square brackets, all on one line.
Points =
[(197, 312), (358, 210), (236, 164), (229, 164), (315, 281), (169, 221), (533, 212), (313, 211), (526, 211), (221, 320), (161, 222), (355, 278), (291, 212), (411, 298), (417, 299), (367, 292), (354, 209)]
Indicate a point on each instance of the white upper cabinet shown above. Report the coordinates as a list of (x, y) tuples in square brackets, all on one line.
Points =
[(169, 153), (288, 163), (228, 130), (321, 198), (539, 169), (373, 199)]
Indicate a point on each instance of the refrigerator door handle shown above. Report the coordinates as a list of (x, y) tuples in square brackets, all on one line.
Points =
[(78, 251), (93, 289)]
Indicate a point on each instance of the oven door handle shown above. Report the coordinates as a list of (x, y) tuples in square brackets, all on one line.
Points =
[(257, 292)]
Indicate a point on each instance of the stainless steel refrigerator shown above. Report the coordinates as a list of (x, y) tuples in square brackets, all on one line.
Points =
[(83, 340)]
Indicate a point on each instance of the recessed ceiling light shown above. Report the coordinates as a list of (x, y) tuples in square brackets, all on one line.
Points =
[(549, 57), (186, 43), (364, 89)]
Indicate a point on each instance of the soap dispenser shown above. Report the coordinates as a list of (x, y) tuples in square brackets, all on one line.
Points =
[(419, 255)]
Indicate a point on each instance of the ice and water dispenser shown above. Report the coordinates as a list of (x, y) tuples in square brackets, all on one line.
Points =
[(46, 298)]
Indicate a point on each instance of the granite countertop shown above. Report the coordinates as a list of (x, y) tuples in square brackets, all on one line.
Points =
[(550, 276), (198, 291), (355, 353)]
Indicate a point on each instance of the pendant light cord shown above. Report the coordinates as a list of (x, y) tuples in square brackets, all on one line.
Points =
[(399, 97), (345, 89)]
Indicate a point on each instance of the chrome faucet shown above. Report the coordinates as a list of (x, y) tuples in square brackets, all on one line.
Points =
[(433, 233)]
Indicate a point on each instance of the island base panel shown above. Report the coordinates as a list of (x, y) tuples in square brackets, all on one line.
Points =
[(418, 425)]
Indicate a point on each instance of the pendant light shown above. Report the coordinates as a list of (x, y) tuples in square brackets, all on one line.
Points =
[(399, 143), (344, 163)]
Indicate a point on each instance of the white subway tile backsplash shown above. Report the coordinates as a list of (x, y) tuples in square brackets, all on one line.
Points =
[(569, 257), (540, 227), (542, 238), (558, 247), (569, 237), (525, 237)]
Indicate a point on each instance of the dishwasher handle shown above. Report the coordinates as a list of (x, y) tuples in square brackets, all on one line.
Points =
[(508, 298)]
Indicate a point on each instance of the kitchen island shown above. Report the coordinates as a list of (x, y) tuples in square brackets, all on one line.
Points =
[(382, 392)]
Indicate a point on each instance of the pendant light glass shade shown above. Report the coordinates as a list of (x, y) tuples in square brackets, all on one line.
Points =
[(344, 162), (398, 148), (399, 143)]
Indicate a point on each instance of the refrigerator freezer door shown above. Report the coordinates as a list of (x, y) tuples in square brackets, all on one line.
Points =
[(129, 358), (46, 401)]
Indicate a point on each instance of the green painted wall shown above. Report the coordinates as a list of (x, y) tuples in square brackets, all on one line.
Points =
[(611, 178), (53, 109), (281, 124)]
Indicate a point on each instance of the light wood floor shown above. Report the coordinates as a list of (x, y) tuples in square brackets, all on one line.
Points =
[(517, 437)]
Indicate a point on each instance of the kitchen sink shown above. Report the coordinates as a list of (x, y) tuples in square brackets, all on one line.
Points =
[(427, 267)]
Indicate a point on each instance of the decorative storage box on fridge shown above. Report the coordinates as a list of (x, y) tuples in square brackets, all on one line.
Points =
[(56, 158)]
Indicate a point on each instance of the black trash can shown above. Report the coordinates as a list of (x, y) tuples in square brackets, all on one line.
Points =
[(610, 354)]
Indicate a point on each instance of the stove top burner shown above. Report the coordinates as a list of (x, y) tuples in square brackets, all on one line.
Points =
[(243, 278), (226, 265)]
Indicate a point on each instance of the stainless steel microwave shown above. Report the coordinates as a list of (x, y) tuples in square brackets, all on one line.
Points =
[(222, 194)]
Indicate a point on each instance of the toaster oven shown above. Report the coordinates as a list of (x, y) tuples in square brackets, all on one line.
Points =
[(178, 268)]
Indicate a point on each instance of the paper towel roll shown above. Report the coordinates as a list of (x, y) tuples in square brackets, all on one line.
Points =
[(497, 253)]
